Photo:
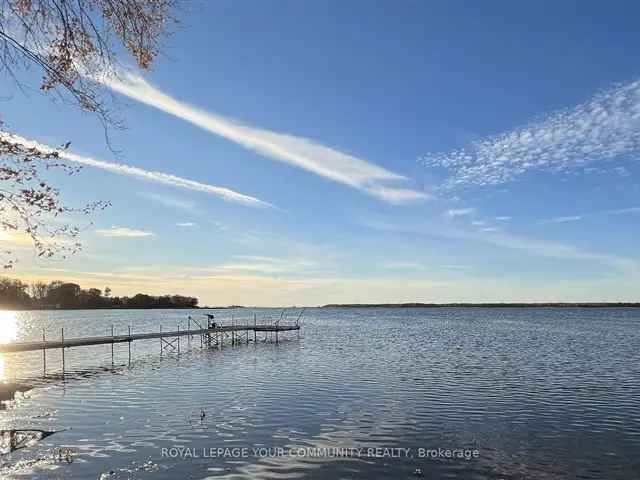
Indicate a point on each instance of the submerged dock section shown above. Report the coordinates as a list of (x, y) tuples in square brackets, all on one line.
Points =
[(211, 333)]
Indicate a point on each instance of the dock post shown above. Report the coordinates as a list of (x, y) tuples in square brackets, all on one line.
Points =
[(255, 335), (44, 353), (63, 362), (189, 331), (112, 360), (161, 340), (178, 339), (129, 345), (276, 336)]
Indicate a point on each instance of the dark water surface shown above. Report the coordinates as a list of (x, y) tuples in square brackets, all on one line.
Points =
[(537, 393)]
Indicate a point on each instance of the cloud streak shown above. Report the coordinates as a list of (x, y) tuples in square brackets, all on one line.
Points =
[(568, 219), (123, 232), (532, 246), (582, 216), (460, 212), (223, 193), (604, 128), (301, 152)]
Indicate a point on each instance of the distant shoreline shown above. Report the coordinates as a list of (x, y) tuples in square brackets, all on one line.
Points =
[(487, 305), (360, 305)]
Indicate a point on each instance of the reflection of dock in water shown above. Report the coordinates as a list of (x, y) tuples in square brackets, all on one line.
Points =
[(12, 440)]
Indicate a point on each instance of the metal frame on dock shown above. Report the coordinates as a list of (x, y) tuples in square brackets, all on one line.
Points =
[(213, 336)]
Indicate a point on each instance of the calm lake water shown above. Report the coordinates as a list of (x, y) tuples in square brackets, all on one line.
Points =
[(536, 393)]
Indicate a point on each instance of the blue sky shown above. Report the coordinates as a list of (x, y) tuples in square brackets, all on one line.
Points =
[(285, 153)]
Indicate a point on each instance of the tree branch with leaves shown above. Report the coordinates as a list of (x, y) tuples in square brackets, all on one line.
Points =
[(73, 43), (31, 206)]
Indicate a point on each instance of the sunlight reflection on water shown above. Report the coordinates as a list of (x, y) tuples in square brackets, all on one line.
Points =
[(8, 326), (8, 333)]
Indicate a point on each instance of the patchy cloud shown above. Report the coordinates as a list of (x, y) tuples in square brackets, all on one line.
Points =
[(186, 224), (601, 129)]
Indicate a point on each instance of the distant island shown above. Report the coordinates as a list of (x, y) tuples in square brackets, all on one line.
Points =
[(486, 305), (57, 295)]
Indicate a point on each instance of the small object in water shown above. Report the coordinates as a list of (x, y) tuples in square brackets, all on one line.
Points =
[(418, 472), (63, 455), (203, 414)]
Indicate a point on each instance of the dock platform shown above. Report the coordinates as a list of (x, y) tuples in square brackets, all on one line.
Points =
[(214, 335), (106, 340)]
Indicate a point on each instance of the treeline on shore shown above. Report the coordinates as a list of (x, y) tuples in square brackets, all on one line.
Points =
[(15, 294)]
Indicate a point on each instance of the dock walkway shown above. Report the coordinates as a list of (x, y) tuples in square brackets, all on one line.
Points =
[(109, 339), (212, 336)]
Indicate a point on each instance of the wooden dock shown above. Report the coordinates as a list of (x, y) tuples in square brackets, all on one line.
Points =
[(212, 336), (106, 340)]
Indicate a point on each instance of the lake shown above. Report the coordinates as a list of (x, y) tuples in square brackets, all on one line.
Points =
[(474, 393)]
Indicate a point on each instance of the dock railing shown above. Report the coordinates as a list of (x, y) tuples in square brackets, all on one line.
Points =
[(214, 335)]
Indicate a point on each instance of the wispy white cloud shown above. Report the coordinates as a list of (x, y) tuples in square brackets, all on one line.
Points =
[(527, 245), (622, 171), (572, 218), (503, 219), (116, 231), (186, 224), (405, 265), (170, 201), (460, 212), (219, 225), (142, 174), (262, 265), (298, 151), (420, 267), (603, 128), (558, 250), (624, 211), (582, 216)]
